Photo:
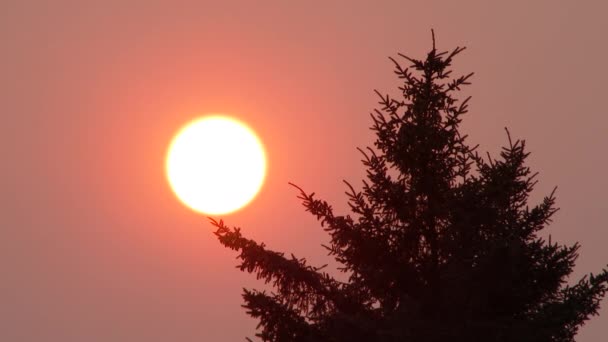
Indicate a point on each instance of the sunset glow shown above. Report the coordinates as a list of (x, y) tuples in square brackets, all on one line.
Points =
[(215, 165), (129, 127)]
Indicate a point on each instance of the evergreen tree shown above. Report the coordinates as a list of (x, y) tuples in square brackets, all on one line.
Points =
[(441, 244)]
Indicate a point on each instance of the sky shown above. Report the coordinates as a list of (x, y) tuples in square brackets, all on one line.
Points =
[(95, 247)]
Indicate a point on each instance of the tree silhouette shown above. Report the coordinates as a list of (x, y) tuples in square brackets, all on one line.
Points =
[(441, 244)]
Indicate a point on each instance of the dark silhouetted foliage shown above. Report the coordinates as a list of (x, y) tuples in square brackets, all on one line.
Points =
[(441, 244)]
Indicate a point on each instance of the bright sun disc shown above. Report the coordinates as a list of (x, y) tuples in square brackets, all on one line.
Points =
[(215, 165)]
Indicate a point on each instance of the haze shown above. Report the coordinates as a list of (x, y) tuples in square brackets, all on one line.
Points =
[(95, 247)]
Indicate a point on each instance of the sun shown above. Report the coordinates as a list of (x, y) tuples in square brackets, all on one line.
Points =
[(216, 165)]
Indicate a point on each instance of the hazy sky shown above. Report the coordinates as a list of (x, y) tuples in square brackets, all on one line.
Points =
[(95, 247)]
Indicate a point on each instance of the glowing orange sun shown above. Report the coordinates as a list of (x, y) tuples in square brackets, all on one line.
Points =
[(216, 165)]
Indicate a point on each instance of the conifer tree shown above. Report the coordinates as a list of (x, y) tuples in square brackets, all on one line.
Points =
[(440, 245)]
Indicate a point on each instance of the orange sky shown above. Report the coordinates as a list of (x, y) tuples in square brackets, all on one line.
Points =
[(95, 247)]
